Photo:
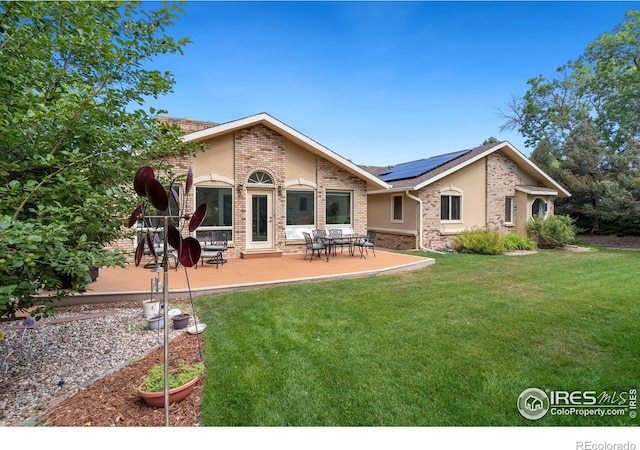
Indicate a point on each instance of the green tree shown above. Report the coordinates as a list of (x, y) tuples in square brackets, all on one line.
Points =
[(584, 127), (490, 140), (602, 182), (74, 77)]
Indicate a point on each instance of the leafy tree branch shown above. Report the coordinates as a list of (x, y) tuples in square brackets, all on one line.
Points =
[(73, 77)]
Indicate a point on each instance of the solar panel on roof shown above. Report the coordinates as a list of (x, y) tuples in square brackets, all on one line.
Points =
[(416, 168)]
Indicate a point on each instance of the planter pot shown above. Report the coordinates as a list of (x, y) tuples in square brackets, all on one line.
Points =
[(65, 279), (176, 394), (156, 323), (180, 321), (150, 308), (67, 282)]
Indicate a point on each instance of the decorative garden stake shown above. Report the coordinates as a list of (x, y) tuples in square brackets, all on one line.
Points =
[(152, 191), (27, 323)]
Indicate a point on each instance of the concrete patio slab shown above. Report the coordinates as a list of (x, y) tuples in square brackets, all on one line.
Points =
[(135, 283)]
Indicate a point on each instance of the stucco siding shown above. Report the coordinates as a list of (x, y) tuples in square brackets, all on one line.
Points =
[(522, 214), (393, 234), (380, 212), (217, 159), (470, 182), (300, 165)]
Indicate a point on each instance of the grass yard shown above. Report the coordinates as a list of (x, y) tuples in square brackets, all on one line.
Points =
[(453, 344)]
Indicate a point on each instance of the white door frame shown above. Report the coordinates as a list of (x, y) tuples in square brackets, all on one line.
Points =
[(260, 230)]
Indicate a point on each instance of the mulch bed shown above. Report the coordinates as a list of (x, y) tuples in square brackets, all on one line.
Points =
[(112, 401), (612, 241)]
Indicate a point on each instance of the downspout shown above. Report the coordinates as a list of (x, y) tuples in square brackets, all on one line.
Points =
[(486, 192), (420, 204)]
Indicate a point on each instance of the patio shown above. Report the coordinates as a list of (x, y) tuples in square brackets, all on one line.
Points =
[(134, 283)]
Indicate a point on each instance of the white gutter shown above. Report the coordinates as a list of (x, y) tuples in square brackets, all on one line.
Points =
[(413, 197)]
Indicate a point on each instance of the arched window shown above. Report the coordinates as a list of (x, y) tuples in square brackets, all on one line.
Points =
[(260, 177), (539, 207), (451, 205)]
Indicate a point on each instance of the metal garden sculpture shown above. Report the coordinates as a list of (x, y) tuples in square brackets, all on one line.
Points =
[(151, 191)]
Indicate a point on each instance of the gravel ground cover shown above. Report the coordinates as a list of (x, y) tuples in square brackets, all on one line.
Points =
[(43, 365)]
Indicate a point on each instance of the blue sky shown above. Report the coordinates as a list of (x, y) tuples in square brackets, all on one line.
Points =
[(379, 83)]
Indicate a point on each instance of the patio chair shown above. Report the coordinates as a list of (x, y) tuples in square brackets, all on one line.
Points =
[(366, 243), (339, 242), (214, 249), (155, 248), (318, 234), (314, 246)]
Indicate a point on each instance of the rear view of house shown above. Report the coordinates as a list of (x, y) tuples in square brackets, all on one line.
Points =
[(265, 184), (431, 200)]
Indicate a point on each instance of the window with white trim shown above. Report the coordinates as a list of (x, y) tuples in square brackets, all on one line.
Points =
[(539, 207), (260, 177), (338, 209), (219, 216), (300, 207), (397, 213), (508, 209), (301, 213), (451, 207)]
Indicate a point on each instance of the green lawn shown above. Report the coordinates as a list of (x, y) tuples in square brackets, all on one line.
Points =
[(452, 344)]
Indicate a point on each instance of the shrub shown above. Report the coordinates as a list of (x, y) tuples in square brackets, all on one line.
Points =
[(514, 242), (484, 242), (553, 231)]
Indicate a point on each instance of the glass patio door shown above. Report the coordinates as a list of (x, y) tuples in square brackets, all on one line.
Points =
[(260, 220)]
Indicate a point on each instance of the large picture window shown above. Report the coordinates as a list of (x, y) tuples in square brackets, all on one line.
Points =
[(450, 207), (219, 216), (300, 207), (301, 213), (338, 208)]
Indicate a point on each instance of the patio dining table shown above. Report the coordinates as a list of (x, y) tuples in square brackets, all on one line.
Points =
[(331, 242)]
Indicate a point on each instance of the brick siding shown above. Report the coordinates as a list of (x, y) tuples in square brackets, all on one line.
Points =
[(330, 178), (394, 241), (258, 148), (502, 178)]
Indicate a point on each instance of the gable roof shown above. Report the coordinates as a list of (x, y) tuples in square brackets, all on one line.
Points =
[(294, 136), (418, 174)]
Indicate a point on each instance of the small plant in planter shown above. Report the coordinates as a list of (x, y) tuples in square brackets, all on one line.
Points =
[(181, 382)]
